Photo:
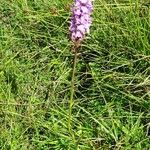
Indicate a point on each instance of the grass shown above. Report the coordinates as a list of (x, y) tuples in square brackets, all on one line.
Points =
[(112, 82)]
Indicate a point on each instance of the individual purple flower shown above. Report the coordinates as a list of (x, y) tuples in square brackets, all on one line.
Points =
[(81, 19)]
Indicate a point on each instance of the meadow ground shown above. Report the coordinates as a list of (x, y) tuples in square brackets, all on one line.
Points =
[(112, 85)]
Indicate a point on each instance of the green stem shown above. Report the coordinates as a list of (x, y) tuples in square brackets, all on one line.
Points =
[(71, 101)]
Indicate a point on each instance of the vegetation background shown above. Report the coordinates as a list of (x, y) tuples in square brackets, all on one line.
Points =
[(112, 86)]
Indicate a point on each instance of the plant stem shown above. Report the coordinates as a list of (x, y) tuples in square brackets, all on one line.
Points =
[(71, 101)]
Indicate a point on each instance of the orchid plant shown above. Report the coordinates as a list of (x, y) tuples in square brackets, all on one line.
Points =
[(79, 26)]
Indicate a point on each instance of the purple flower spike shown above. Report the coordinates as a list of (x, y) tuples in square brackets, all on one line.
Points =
[(81, 19)]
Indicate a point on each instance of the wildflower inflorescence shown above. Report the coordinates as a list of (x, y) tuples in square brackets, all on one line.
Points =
[(81, 19)]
